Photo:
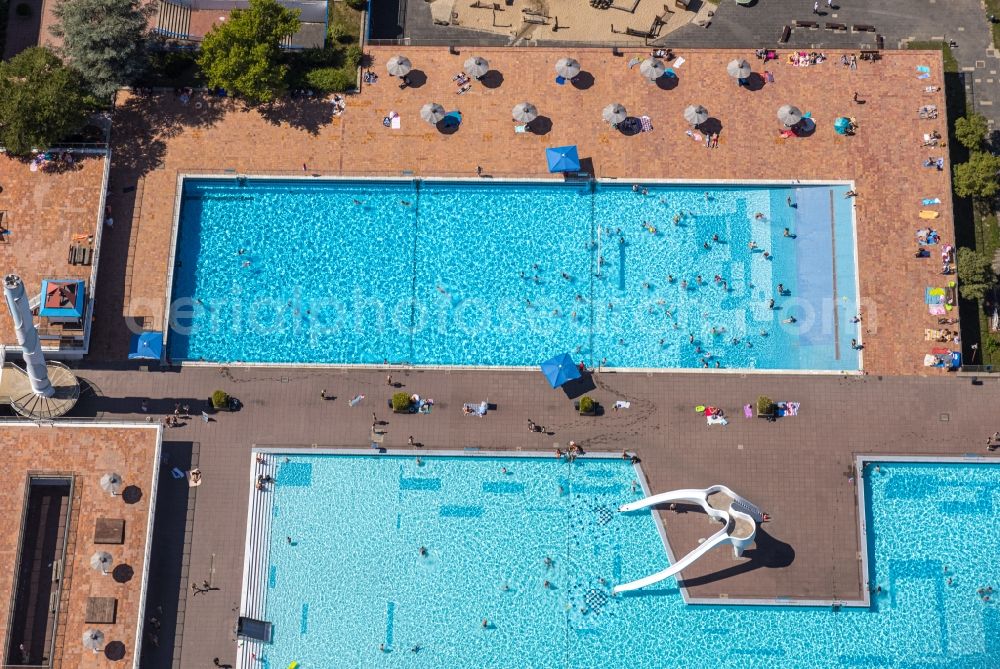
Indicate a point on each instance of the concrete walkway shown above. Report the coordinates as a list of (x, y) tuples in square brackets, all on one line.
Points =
[(809, 550)]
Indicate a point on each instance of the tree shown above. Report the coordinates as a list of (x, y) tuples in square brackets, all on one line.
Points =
[(243, 54), (41, 101), (970, 130), (104, 40), (975, 274), (978, 177)]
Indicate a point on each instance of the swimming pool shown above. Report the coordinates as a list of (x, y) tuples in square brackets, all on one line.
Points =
[(508, 274), (353, 579)]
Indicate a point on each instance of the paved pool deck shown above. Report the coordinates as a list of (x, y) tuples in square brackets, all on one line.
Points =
[(157, 139), (798, 469)]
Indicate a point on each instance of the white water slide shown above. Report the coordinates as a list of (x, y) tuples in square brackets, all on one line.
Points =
[(739, 518)]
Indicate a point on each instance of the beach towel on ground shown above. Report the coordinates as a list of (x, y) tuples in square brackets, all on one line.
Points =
[(936, 310), (679, 61), (693, 135), (716, 420), (792, 408), (933, 295), (622, 404), (747, 411), (923, 68), (927, 213), (930, 200)]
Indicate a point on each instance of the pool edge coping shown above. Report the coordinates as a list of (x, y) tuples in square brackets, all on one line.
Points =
[(216, 175)]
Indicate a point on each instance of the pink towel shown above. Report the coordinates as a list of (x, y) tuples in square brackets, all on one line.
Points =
[(747, 411)]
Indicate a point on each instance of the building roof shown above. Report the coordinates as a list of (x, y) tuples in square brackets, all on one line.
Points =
[(83, 453)]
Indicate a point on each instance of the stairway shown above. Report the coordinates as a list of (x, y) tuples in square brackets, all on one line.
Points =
[(173, 20)]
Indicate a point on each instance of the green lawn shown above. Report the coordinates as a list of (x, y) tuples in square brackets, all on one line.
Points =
[(950, 64)]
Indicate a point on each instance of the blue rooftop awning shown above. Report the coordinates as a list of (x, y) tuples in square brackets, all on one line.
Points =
[(62, 298), (563, 159), (146, 346), (560, 369)]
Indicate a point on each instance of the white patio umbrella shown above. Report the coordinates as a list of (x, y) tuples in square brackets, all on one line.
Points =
[(615, 113), (789, 115), (525, 112), (432, 112), (398, 66), (93, 639), (652, 68), (567, 68), (476, 67), (112, 483), (695, 114), (101, 561), (738, 69)]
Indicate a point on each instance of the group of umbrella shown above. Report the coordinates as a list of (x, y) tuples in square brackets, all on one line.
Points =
[(652, 69), (93, 639)]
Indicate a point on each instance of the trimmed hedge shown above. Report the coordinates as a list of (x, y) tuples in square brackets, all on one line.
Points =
[(331, 79)]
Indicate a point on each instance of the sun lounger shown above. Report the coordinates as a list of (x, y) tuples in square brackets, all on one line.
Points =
[(646, 125)]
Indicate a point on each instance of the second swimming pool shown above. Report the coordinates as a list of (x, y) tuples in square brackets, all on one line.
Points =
[(508, 274)]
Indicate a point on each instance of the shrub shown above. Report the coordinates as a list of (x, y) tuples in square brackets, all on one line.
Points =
[(401, 402), (341, 33), (331, 79), (765, 407), (586, 405), (23, 10), (359, 5), (353, 56), (220, 399)]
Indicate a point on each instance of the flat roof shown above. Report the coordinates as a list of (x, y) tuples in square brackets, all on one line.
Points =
[(300, 134), (47, 213), (84, 453)]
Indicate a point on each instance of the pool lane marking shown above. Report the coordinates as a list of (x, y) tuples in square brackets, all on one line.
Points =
[(413, 276), (833, 263)]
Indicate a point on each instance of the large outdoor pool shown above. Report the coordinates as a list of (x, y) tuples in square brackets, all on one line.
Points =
[(352, 581), (509, 274)]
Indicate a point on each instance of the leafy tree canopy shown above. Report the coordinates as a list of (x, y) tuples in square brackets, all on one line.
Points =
[(978, 177), (104, 40), (975, 273), (243, 54), (970, 130), (41, 101)]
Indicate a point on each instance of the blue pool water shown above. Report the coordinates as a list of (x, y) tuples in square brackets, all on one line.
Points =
[(478, 273), (354, 578)]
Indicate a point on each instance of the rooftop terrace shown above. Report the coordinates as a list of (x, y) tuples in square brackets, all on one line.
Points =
[(81, 454), (48, 212)]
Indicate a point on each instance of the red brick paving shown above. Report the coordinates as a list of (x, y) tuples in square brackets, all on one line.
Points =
[(44, 212)]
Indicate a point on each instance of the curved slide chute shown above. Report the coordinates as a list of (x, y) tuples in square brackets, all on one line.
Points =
[(739, 516)]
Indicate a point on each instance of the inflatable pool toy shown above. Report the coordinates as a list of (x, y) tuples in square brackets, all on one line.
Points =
[(699, 409), (294, 665), (927, 213)]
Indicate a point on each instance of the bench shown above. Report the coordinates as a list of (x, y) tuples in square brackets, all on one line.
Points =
[(836, 26), (868, 54), (537, 20), (806, 24), (637, 33), (863, 28), (682, 4), (786, 32)]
